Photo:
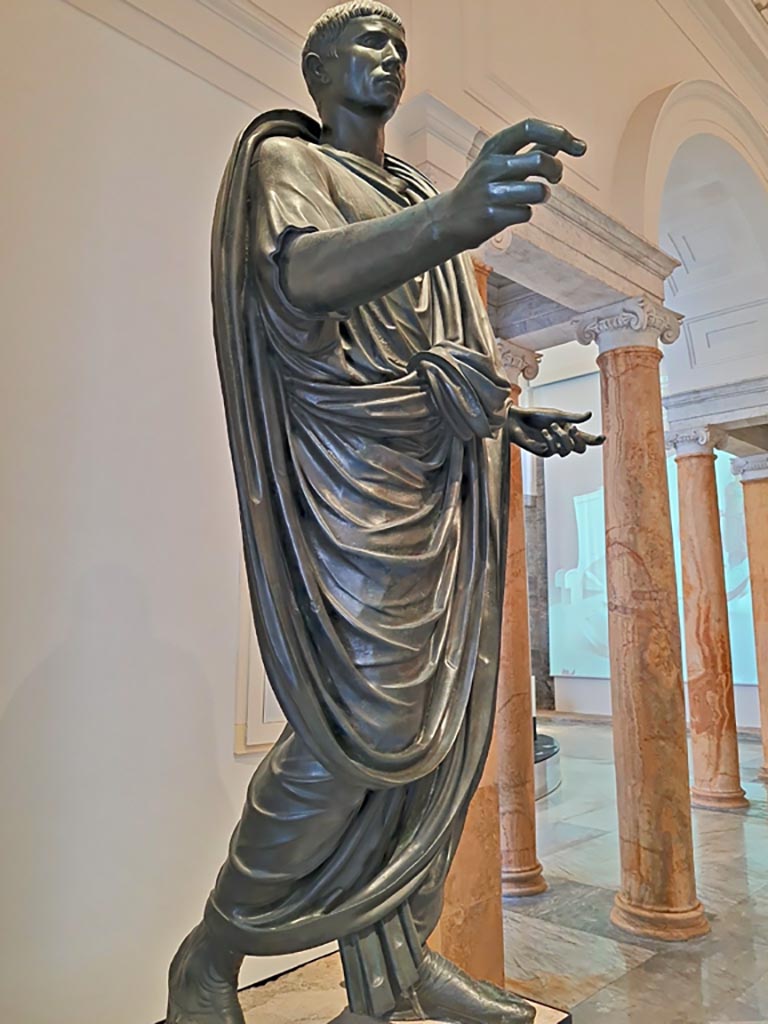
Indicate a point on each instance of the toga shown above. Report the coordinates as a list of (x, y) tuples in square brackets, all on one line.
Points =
[(372, 470)]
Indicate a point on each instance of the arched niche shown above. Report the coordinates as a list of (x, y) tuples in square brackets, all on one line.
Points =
[(659, 126), (713, 218)]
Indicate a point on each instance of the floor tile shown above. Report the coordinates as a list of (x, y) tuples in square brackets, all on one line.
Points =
[(556, 965), (552, 837), (594, 862), (750, 752), (595, 743), (584, 908), (749, 1007), (681, 982), (311, 995)]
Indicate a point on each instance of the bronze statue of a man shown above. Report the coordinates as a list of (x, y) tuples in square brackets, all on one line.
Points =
[(369, 426)]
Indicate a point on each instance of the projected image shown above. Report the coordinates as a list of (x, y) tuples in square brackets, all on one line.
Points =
[(578, 612)]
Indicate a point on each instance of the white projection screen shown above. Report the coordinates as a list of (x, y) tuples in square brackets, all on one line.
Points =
[(578, 614)]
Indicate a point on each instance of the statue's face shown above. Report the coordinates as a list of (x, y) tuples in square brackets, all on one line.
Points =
[(368, 72)]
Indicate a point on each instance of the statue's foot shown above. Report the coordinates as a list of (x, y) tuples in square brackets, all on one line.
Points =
[(202, 983), (446, 993)]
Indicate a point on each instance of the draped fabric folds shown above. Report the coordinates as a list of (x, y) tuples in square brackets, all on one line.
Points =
[(371, 471)]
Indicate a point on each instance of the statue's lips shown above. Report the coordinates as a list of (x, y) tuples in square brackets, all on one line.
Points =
[(392, 80)]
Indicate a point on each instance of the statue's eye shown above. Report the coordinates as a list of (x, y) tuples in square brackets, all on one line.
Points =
[(379, 41)]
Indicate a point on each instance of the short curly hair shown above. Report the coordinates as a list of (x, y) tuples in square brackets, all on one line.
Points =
[(326, 30)]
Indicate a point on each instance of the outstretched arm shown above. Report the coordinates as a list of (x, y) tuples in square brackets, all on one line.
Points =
[(546, 432), (344, 267)]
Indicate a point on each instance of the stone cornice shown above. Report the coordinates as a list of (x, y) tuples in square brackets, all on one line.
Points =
[(753, 467), (567, 205), (630, 322), (518, 361), (742, 393), (579, 211)]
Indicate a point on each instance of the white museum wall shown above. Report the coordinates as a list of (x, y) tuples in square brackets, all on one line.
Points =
[(119, 591), (121, 552)]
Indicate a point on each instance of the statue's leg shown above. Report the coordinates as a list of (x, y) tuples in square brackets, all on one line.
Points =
[(443, 991), (294, 818), (425, 985)]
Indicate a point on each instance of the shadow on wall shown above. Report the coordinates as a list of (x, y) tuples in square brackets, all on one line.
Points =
[(105, 763)]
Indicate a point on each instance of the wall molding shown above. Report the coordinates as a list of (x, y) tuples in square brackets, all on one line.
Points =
[(741, 32), (233, 45), (695, 329), (257, 22), (256, 726)]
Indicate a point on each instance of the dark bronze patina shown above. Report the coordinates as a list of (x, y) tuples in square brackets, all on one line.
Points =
[(369, 424)]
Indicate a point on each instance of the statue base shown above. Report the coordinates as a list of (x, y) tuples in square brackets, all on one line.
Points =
[(544, 1015), (315, 992)]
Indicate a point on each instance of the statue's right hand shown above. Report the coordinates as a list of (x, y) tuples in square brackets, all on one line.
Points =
[(495, 191)]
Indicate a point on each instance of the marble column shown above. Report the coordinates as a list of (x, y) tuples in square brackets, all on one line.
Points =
[(714, 743), (658, 889), (470, 932), (521, 873), (482, 273), (753, 471)]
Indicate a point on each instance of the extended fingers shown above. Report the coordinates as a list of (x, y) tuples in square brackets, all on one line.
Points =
[(517, 168), (579, 148), (519, 193), (566, 418), (524, 440), (563, 443), (578, 440), (551, 138), (592, 439)]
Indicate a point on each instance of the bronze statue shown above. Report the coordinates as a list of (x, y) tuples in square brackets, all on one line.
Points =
[(369, 425)]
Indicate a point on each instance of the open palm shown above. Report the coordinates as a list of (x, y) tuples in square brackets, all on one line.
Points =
[(546, 432)]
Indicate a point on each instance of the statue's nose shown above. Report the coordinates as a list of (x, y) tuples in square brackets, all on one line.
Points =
[(392, 60)]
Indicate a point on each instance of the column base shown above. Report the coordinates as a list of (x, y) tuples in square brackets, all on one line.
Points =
[(711, 800), (762, 775), (523, 882), (666, 925)]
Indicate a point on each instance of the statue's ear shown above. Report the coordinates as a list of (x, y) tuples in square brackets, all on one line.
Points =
[(315, 71)]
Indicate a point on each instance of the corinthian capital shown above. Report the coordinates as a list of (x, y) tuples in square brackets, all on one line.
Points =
[(518, 361), (630, 322)]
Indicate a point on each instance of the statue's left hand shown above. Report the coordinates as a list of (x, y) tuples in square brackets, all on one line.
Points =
[(548, 432)]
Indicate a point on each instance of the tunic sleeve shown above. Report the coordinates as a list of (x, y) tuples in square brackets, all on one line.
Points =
[(290, 195)]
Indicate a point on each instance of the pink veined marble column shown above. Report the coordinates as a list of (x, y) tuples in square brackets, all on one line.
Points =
[(470, 932), (521, 871), (658, 889), (714, 742), (754, 477)]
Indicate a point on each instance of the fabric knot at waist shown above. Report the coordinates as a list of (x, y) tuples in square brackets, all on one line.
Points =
[(470, 395)]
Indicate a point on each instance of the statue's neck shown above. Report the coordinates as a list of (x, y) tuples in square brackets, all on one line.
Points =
[(354, 132)]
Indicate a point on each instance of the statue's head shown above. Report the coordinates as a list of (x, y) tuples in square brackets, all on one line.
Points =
[(355, 56)]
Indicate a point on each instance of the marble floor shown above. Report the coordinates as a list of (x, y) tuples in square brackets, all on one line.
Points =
[(561, 948)]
